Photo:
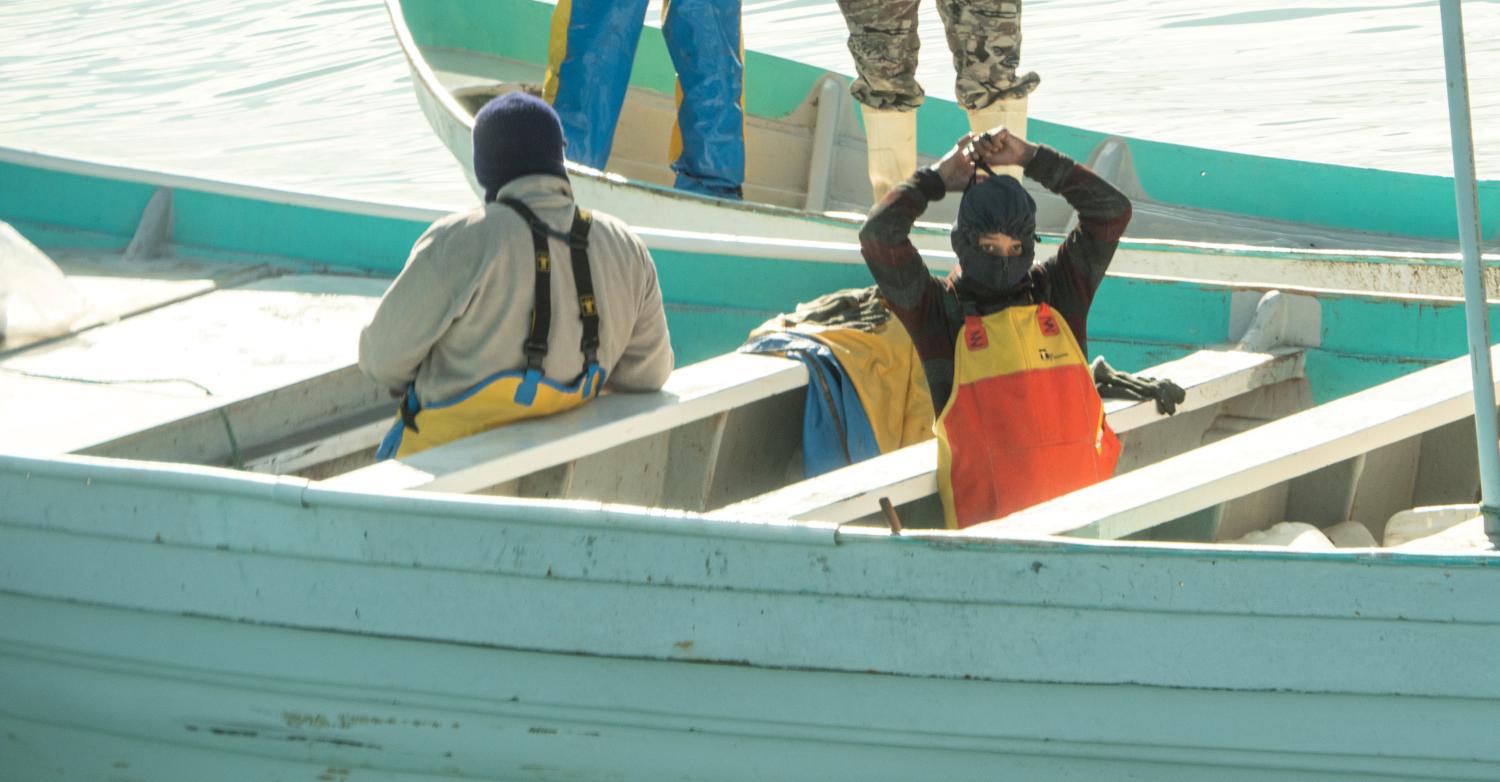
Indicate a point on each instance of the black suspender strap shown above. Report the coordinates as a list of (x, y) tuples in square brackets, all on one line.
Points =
[(583, 279), (535, 346)]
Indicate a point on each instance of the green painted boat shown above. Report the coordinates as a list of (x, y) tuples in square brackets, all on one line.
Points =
[(203, 576), (805, 154)]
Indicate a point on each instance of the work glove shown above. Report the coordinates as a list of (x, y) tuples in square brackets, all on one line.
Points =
[(1114, 384)]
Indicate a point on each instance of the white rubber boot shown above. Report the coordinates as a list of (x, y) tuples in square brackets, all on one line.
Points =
[(1007, 112), (891, 144)]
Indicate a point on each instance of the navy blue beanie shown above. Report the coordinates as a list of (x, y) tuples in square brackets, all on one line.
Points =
[(514, 135)]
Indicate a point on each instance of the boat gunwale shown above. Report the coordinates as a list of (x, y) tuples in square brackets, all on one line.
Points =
[(583, 515), (662, 238)]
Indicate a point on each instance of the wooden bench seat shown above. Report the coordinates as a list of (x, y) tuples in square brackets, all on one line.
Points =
[(1394, 446), (1209, 377), (705, 391), (278, 431), (332, 423)]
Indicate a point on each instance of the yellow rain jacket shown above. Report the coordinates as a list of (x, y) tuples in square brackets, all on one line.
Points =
[(876, 352)]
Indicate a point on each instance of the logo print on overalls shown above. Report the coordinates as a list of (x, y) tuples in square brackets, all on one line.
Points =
[(975, 336)]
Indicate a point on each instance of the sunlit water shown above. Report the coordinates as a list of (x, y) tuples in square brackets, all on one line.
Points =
[(314, 94)]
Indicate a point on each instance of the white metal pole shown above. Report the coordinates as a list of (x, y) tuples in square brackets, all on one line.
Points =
[(1461, 128)]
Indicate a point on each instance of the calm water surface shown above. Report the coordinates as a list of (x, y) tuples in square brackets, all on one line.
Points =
[(314, 94)]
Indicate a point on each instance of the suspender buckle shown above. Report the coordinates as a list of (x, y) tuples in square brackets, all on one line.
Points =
[(536, 352), (409, 408)]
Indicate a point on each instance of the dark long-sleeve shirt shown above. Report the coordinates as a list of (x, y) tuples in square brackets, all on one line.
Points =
[(930, 308)]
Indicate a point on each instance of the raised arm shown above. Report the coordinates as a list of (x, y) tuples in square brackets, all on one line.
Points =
[(885, 242), (1069, 279), (1103, 213)]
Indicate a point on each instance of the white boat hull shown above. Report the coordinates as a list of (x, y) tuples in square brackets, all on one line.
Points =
[(259, 625)]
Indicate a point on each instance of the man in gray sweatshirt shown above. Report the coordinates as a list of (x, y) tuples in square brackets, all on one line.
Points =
[(483, 328)]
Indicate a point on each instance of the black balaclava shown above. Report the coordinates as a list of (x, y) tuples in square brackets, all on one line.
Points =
[(996, 203)]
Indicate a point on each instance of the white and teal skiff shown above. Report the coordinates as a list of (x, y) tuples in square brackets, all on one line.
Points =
[(806, 176), (203, 576)]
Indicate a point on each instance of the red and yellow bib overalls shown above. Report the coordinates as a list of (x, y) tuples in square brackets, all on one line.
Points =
[(1024, 423), (512, 395)]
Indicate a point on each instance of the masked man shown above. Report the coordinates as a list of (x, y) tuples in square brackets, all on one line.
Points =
[(592, 48), (1003, 340), (522, 307), (984, 37)]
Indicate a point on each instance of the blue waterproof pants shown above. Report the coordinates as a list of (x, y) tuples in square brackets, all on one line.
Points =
[(590, 54)]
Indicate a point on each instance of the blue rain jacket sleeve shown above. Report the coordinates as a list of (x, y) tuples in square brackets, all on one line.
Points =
[(836, 432)]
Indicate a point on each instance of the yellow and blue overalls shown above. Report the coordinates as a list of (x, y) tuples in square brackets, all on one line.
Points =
[(512, 395), (1024, 423), (590, 54)]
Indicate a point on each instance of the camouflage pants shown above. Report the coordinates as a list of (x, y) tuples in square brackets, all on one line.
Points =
[(984, 36)]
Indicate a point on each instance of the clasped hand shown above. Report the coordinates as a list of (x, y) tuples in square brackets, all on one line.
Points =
[(998, 147)]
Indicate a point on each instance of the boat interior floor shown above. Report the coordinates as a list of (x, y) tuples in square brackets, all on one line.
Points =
[(167, 338)]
